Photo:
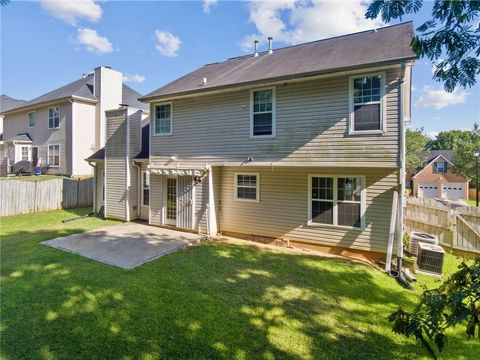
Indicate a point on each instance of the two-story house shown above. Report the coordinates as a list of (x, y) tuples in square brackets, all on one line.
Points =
[(437, 179), (302, 143), (59, 129)]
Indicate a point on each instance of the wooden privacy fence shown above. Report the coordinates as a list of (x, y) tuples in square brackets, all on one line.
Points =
[(26, 197), (455, 228)]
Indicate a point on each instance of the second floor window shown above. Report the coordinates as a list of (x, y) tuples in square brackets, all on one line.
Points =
[(163, 119), (263, 113), (441, 167), (32, 119), (54, 155), (54, 117), (366, 109)]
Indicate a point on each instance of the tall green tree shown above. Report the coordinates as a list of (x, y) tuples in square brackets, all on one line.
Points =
[(456, 302), (449, 140), (463, 159), (451, 38), (416, 156)]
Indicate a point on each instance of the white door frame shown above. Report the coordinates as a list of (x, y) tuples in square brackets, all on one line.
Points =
[(167, 221)]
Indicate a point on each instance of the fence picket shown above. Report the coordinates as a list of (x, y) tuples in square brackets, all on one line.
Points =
[(25, 197), (457, 229)]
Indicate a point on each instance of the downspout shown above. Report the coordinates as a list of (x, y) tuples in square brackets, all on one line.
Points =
[(139, 187), (401, 185)]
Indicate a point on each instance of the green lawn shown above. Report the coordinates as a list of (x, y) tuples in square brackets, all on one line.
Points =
[(472, 202), (211, 301)]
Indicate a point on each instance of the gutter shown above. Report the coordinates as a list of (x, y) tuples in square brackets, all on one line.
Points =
[(47, 103)]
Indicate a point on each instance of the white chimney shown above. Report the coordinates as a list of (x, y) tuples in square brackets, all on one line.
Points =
[(270, 48), (107, 88), (256, 48)]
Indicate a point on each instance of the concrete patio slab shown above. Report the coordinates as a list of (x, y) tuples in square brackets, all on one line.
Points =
[(126, 245)]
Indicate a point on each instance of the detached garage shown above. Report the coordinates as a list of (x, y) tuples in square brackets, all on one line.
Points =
[(453, 191), (437, 178), (428, 190)]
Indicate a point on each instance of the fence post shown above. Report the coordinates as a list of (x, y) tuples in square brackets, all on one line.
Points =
[(78, 185), (454, 236)]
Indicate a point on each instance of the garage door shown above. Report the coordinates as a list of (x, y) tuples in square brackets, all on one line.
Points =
[(428, 190), (453, 191)]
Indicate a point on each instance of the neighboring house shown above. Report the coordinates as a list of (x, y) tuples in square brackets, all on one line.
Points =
[(6, 103), (301, 143), (61, 128), (437, 179)]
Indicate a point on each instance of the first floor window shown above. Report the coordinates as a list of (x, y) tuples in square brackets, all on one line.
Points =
[(246, 186), (32, 119), (163, 119), (54, 155), (366, 110), (54, 117), (263, 112), (336, 201), (25, 153), (146, 188)]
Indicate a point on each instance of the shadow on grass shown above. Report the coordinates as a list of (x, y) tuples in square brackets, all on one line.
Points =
[(212, 301)]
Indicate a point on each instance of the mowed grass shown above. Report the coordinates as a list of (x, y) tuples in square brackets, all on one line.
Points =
[(213, 301)]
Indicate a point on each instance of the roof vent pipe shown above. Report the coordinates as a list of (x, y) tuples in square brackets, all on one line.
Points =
[(256, 48), (204, 81), (270, 47)]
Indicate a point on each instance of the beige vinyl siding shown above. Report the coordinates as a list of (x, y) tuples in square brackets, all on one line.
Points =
[(156, 199), (83, 137), (282, 211), (17, 123), (99, 179), (311, 126), (201, 202), (134, 120), (115, 174)]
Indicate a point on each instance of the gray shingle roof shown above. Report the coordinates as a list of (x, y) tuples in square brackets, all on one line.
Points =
[(385, 45), (447, 154), (7, 103), (83, 88)]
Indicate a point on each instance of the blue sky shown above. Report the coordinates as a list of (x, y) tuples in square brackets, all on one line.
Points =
[(46, 44)]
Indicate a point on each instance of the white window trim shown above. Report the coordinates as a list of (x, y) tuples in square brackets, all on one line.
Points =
[(363, 200), (383, 120), (59, 155), (171, 118), (144, 173), (28, 119), (257, 187), (48, 114), (274, 113)]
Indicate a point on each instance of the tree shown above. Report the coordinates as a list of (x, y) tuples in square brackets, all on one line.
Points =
[(455, 302), (451, 38), (416, 156), (463, 159), (449, 140), (4, 2)]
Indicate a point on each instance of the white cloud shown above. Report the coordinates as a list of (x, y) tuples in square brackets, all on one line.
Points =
[(137, 79), (296, 21), (431, 134), (207, 4), (167, 43), (439, 99), (71, 11), (93, 42)]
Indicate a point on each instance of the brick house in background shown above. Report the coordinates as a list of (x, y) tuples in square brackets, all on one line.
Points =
[(437, 178)]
